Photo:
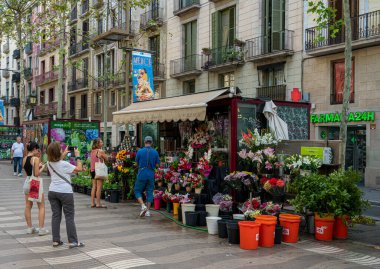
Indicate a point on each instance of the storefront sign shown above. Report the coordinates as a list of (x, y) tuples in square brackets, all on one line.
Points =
[(2, 118), (312, 151), (337, 117), (142, 76)]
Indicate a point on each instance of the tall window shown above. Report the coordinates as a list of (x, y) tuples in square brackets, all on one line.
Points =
[(273, 25), (338, 82), (271, 75), (30, 88), (97, 103), (42, 97), (223, 28), (113, 98), (72, 105), (85, 69), (154, 45), (83, 106), (190, 45), (227, 80), (51, 95), (189, 86), (73, 73)]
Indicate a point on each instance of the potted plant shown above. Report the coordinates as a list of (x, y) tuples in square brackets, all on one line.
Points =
[(114, 192), (225, 204), (157, 196), (197, 182), (175, 180), (159, 177), (206, 51)]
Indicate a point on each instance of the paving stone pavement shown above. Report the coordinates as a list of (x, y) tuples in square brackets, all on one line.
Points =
[(116, 238)]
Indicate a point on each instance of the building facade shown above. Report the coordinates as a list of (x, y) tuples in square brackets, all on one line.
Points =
[(324, 80)]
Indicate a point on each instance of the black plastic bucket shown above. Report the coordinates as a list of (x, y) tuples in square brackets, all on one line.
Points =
[(191, 218), (225, 215), (180, 213), (200, 207), (114, 196), (222, 228), (278, 234), (233, 232), (202, 218)]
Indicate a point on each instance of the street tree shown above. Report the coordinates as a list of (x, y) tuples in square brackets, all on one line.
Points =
[(326, 19), (16, 23)]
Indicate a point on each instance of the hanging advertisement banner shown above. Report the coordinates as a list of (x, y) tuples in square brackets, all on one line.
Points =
[(142, 76), (2, 115)]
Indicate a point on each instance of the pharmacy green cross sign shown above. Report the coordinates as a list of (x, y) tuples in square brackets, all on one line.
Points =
[(337, 117)]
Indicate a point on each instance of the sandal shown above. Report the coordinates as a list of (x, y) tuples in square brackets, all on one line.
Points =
[(76, 245), (101, 206), (57, 244), (93, 206)]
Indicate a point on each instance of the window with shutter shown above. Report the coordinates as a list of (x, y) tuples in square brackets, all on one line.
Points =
[(338, 82), (273, 25), (190, 45)]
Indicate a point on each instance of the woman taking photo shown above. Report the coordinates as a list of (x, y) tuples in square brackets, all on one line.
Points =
[(61, 193), (33, 167), (97, 155)]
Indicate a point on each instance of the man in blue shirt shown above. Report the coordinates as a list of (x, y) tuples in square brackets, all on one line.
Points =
[(147, 160)]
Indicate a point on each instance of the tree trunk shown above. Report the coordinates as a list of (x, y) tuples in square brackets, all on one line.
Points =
[(21, 96), (61, 56), (106, 77), (347, 81)]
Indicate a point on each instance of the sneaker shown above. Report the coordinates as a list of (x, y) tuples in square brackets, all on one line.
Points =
[(20, 175), (15, 174), (31, 230), (42, 231), (143, 211), (76, 245), (147, 214)]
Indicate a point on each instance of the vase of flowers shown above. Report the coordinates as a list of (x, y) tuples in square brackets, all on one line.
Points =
[(175, 200), (197, 182), (303, 165), (157, 196), (175, 179), (225, 204), (159, 176), (275, 187)]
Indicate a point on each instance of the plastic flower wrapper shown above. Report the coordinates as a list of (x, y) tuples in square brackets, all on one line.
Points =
[(175, 198), (253, 204), (158, 194), (251, 214), (225, 206), (233, 181), (217, 198), (185, 199), (270, 208)]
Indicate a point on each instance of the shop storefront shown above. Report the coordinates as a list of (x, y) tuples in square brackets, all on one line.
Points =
[(223, 115), (8, 135), (362, 144)]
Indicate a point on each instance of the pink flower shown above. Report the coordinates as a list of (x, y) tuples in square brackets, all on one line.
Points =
[(243, 154), (280, 183), (268, 165), (268, 151)]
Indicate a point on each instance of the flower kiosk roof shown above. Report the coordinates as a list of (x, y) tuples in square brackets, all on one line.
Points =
[(181, 108)]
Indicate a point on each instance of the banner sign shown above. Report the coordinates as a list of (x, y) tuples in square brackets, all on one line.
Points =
[(79, 134), (2, 115), (337, 117), (142, 76)]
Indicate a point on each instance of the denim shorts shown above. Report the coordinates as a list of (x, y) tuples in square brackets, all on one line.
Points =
[(147, 185)]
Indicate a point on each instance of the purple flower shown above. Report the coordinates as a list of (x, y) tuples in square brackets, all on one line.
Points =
[(58, 134)]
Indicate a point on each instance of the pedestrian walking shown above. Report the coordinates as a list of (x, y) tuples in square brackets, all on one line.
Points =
[(147, 160), (17, 153), (97, 155), (33, 167), (61, 195)]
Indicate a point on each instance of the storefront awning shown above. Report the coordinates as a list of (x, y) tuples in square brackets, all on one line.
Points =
[(181, 108)]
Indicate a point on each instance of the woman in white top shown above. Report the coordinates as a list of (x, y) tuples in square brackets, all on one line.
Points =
[(61, 195)]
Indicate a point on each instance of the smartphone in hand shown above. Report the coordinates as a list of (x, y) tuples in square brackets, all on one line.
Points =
[(72, 153)]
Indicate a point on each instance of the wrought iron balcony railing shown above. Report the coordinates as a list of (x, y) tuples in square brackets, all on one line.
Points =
[(152, 18), (189, 64), (79, 47), (77, 84), (29, 48), (277, 42), (74, 14), (46, 77), (277, 92), (365, 26), (159, 71), (224, 56), (183, 6), (47, 109), (16, 54), (28, 73)]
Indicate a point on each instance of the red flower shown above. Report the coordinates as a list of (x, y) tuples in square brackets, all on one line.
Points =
[(280, 183), (255, 204), (263, 180), (273, 181)]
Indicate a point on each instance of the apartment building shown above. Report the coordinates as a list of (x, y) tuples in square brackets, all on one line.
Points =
[(324, 79), (253, 45), (9, 80)]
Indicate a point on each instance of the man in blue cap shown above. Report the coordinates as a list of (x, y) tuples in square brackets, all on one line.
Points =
[(147, 160)]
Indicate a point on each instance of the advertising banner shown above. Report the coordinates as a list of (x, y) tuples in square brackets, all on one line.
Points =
[(2, 115), (142, 76), (79, 134)]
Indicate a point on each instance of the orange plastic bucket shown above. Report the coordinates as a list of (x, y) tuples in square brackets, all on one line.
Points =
[(290, 227), (249, 234), (267, 230), (341, 227), (324, 227)]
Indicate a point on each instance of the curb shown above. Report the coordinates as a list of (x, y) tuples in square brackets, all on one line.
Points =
[(375, 203)]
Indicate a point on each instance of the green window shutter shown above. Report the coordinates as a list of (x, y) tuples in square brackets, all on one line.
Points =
[(215, 29), (278, 24), (232, 32), (266, 26)]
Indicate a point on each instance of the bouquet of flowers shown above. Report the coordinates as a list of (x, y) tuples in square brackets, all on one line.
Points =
[(251, 214), (196, 180), (175, 178), (254, 141), (168, 175), (224, 201), (253, 204), (175, 198), (274, 186), (264, 160), (158, 194), (159, 175), (237, 180), (204, 167), (233, 181), (166, 196), (270, 208), (184, 180), (296, 162), (185, 199), (184, 164), (200, 138)]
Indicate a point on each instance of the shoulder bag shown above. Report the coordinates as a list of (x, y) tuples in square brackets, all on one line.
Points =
[(101, 169), (36, 188)]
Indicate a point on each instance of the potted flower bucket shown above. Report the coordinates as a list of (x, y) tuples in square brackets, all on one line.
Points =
[(198, 190), (249, 234), (324, 226), (188, 189), (175, 208), (187, 208), (157, 203), (212, 210), (177, 187), (290, 227), (115, 196), (169, 206), (341, 227), (159, 183), (170, 186), (212, 224)]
